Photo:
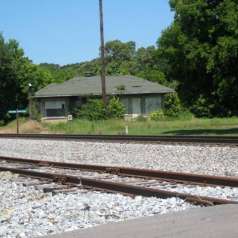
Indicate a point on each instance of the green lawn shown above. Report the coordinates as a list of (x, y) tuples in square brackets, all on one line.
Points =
[(193, 126)]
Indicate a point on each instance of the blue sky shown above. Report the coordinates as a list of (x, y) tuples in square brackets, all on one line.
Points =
[(66, 31)]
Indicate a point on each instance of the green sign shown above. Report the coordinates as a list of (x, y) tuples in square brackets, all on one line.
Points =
[(17, 111)]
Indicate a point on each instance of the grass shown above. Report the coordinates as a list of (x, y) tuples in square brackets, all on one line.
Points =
[(181, 126), (192, 126)]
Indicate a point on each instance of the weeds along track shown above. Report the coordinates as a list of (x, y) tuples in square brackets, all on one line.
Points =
[(196, 189)]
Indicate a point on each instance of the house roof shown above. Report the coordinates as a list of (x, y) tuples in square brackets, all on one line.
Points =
[(115, 85)]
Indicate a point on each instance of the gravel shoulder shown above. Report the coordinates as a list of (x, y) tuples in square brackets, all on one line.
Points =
[(211, 160), (26, 211)]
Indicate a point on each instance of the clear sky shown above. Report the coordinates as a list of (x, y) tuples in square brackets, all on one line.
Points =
[(67, 31)]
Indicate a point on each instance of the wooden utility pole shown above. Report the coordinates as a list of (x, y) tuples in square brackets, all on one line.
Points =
[(17, 115), (103, 63)]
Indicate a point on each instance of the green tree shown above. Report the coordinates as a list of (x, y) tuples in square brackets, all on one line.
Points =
[(120, 57), (59, 74), (148, 66), (200, 51), (120, 51), (16, 72)]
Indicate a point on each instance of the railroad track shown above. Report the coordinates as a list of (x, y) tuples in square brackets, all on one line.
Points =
[(219, 140), (128, 181)]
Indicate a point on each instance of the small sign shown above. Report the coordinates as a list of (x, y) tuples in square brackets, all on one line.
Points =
[(70, 117), (17, 111)]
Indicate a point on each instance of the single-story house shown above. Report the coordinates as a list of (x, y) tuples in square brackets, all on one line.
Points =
[(139, 96)]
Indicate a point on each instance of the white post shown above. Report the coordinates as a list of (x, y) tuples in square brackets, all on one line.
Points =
[(126, 130)]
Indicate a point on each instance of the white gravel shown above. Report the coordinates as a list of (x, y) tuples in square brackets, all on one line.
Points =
[(28, 212), (183, 158)]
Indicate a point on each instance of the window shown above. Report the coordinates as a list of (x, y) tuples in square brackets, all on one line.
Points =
[(55, 108), (152, 103)]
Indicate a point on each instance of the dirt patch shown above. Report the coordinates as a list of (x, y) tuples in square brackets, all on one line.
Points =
[(25, 127)]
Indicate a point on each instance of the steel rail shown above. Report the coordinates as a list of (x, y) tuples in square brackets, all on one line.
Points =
[(158, 174), (228, 140), (120, 187)]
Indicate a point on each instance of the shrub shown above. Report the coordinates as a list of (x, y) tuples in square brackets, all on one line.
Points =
[(115, 109), (201, 107), (172, 105), (95, 110), (157, 115)]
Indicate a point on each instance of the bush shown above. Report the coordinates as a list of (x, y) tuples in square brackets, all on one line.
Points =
[(95, 110), (172, 105), (115, 108), (202, 108), (157, 115)]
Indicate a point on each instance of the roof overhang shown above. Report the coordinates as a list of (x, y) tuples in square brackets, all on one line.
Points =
[(97, 95)]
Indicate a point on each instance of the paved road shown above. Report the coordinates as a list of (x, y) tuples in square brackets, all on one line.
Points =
[(211, 222)]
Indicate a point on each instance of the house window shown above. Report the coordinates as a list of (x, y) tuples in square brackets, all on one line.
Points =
[(127, 103), (142, 104), (55, 108), (152, 103), (132, 105), (136, 105)]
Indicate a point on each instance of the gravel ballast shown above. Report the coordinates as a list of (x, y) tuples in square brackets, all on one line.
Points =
[(213, 160), (28, 212)]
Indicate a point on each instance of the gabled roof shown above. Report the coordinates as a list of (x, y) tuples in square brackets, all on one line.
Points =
[(115, 85)]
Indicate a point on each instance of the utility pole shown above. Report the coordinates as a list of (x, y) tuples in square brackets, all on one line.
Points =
[(103, 63), (17, 115)]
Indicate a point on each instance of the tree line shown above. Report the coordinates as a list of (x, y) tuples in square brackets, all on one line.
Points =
[(16, 73), (197, 55)]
